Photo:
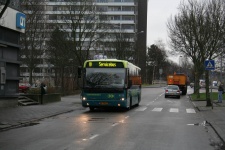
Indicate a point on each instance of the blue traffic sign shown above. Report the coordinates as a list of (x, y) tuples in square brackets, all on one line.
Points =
[(209, 65)]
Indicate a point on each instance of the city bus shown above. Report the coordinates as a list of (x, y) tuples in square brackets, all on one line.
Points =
[(110, 83)]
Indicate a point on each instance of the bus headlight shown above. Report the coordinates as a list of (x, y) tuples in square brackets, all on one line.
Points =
[(122, 99), (84, 98)]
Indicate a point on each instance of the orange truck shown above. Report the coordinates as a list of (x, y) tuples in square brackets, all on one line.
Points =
[(179, 79)]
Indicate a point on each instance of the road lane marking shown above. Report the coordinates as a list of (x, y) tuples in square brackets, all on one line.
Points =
[(121, 121), (127, 117), (190, 110), (162, 94), (141, 108), (115, 124), (174, 110), (94, 136), (191, 124), (157, 109), (150, 103)]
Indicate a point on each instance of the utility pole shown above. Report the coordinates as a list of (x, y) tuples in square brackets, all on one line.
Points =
[(180, 64)]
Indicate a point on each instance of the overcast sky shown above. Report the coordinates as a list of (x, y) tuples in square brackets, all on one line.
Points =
[(159, 11)]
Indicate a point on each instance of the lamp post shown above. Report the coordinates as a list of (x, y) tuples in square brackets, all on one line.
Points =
[(180, 64), (136, 49)]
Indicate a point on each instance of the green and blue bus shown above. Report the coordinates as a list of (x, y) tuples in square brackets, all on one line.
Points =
[(110, 83)]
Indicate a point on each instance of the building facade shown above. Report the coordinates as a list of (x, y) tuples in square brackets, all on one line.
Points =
[(126, 17), (12, 24)]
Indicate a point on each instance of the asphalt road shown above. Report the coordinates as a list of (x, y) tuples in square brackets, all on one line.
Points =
[(157, 124)]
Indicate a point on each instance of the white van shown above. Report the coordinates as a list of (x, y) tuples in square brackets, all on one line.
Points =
[(202, 83)]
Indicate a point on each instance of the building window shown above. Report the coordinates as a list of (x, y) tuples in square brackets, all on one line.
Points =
[(128, 18), (49, 8), (52, 17), (116, 8), (114, 17), (127, 8), (127, 26)]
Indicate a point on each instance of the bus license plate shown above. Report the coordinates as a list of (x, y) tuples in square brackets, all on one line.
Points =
[(104, 103)]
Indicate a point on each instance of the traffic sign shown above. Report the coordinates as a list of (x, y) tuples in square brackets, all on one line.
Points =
[(209, 65)]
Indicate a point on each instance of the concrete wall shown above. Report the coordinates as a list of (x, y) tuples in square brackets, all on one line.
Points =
[(47, 98)]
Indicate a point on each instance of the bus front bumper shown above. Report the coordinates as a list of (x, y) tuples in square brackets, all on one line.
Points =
[(104, 103)]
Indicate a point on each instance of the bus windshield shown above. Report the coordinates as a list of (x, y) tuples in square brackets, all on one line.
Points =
[(105, 77)]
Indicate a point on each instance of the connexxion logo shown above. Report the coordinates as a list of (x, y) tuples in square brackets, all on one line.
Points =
[(20, 20)]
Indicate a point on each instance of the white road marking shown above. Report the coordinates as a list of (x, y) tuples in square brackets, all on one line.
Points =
[(115, 124), (157, 109), (190, 110), (174, 110), (94, 136), (141, 108), (190, 124), (150, 103), (121, 121), (127, 117)]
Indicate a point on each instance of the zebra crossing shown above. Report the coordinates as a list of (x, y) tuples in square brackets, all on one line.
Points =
[(172, 110)]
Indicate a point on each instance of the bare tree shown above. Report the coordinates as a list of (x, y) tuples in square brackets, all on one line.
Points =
[(120, 46), (60, 56), (32, 41), (156, 59), (86, 22), (4, 8), (197, 31)]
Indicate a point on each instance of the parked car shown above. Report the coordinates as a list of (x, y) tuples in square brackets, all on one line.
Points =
[(173, 91), (24, 87), (202, 83)]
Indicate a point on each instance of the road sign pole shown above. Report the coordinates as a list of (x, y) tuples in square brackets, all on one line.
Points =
[(210, 82), (209, 66)]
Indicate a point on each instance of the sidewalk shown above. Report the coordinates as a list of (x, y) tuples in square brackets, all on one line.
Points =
[(215, 117), (25, 115)]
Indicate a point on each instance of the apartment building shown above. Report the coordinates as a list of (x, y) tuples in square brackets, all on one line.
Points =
[(129, 17)]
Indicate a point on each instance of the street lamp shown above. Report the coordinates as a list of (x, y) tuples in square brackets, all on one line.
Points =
[(136, 49), (180, 63)]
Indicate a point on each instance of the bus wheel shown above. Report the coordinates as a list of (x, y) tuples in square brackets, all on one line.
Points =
[(91, 108)]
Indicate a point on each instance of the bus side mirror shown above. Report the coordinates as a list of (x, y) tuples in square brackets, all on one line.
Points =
[(79, 71), (129, 83)]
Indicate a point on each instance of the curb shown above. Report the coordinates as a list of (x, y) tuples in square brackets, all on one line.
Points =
[(215, 129), (196, 107)]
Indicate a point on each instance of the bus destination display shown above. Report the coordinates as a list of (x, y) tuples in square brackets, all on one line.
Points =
[(104, 64)]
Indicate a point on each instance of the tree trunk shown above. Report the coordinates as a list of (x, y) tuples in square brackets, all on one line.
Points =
[(196, 85)]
